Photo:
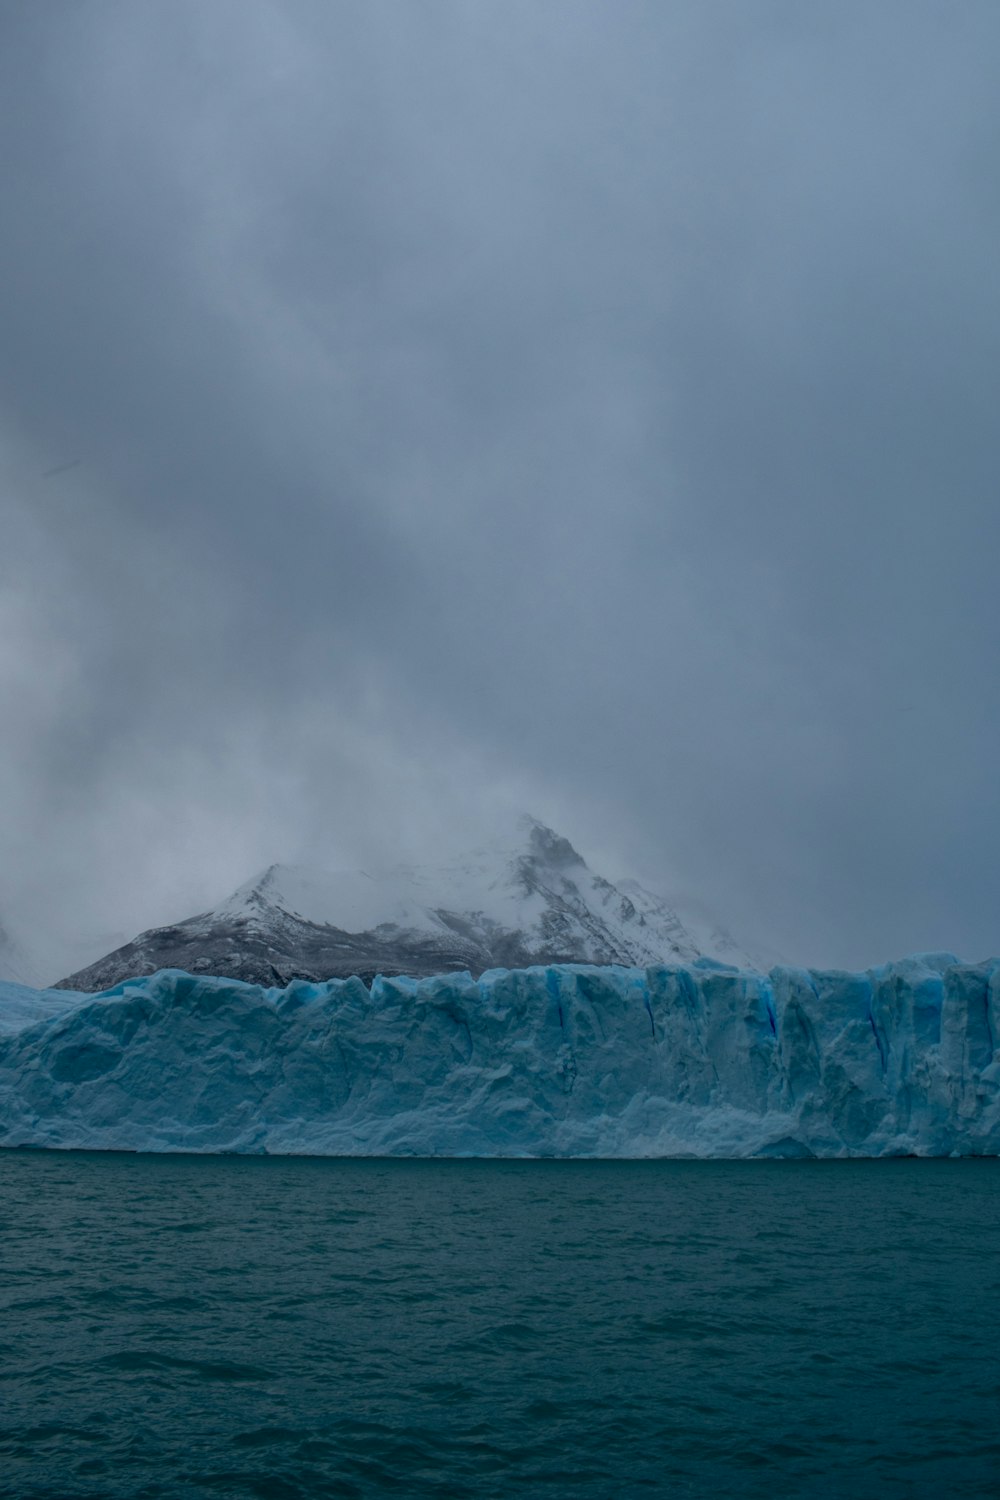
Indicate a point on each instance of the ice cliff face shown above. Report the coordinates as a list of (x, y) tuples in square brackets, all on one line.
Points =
[(568, 1060), (529, 899)]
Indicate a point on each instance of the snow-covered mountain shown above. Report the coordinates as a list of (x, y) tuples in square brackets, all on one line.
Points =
[(529, 899)]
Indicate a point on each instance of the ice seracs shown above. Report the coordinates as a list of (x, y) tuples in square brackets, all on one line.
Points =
[(695, 1059)]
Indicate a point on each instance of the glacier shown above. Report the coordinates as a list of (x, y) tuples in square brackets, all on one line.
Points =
[(703, 1060)]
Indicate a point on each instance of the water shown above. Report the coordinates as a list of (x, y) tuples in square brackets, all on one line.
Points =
[(182, 1326)]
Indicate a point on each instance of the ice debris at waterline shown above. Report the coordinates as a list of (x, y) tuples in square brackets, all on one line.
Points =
[(569, 1060)]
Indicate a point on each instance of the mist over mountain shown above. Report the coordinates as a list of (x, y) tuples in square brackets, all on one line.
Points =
[(15, 965), (371, 449), (36, 952), (527, 898)]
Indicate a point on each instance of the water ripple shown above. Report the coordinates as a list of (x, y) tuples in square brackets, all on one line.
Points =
[(183, 1327)]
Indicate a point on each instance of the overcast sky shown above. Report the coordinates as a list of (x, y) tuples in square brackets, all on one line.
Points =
[(413, 413)]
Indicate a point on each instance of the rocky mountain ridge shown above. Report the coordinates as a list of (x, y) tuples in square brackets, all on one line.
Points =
[(530, 899)]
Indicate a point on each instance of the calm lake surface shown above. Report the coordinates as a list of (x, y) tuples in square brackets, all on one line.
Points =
[(184, 1326)]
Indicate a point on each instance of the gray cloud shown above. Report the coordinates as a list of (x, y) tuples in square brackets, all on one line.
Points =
[(589, 406)]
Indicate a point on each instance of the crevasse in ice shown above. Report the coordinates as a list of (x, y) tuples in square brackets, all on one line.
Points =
[(571, 1060)]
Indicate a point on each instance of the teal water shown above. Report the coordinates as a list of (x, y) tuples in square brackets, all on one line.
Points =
[(185, 1326)]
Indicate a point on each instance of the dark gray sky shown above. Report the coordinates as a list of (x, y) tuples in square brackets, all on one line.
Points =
[(590, 407)]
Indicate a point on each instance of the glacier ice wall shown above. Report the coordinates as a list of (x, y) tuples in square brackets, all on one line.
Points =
[(570, 1060)]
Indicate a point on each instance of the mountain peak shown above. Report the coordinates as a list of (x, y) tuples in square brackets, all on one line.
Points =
[(547, 845)]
